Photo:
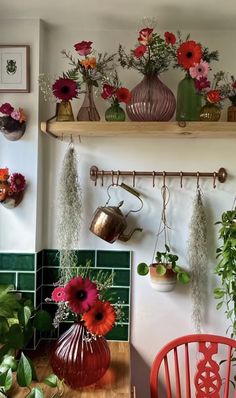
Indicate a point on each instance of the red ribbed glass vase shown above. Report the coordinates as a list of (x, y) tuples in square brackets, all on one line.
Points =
[(151, 100), (78, 360)]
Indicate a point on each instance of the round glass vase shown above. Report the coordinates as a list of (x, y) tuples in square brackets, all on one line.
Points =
[(151, 100), (115, 113), (189, 102), (79, 359), (210, 112), (231, 112), (88, 110)]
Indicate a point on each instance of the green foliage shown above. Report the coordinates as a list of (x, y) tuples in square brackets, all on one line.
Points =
[(226, 268), (166, 260)]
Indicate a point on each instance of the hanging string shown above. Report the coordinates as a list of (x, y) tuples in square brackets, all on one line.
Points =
[(234, 203)]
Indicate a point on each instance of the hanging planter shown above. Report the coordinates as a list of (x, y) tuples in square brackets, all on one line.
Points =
[(11, 188), (13, 123)]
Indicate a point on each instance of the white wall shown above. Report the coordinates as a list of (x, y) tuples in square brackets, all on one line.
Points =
[(156, 318), (18, 226)]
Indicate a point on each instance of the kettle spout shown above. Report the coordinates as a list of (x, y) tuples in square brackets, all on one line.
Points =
[(125, 238)]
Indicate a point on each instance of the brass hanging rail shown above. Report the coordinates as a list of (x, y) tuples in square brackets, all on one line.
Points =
[(95, 173)]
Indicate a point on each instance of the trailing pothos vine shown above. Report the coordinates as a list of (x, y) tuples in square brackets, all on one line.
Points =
[(226, 269)]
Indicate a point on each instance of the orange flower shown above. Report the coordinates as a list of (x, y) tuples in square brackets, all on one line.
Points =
[(89, 63), (213, 96), (4, 174), (100, 318), (22, 116)]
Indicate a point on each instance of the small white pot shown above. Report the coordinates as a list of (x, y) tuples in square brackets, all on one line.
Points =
[(162, 283)]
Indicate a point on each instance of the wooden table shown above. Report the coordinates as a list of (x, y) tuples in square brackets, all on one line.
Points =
[(114, 384)]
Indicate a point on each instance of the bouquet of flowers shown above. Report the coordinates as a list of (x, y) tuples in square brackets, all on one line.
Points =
[(92, 66), (114, 92), (14, 119), (86, 299), (11, 186), (213, 92), (152, 54)]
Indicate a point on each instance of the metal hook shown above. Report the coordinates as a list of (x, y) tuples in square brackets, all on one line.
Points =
[(96, 177), (214, 180), (134, 172), (164, 178), (112, 177), (102, 178), (118, 177), (181, 179), (198, 178), (153, 179)]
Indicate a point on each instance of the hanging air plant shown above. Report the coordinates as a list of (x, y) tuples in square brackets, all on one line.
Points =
[(197, 256), (69, 212)]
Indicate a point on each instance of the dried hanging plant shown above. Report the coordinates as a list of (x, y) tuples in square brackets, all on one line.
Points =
[(69, 212), (197, 257)]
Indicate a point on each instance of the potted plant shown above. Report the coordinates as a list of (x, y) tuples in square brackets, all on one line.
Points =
[(13, 123), (165, 272)]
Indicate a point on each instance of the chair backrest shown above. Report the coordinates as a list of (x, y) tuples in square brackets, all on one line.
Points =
[(185, 368)]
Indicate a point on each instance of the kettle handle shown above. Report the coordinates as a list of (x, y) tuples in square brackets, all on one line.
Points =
[(135, 193)]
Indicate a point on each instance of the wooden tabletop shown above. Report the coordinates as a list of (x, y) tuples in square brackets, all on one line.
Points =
[(114, 384)]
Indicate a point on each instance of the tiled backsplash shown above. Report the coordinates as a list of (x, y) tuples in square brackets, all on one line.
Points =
[(34, 275)]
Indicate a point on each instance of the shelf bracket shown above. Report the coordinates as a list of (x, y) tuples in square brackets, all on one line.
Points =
[(47, 128)]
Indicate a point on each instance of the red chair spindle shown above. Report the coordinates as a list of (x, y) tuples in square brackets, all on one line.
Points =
[(227, 376), (178, 390), (167, 374), (187, 372)]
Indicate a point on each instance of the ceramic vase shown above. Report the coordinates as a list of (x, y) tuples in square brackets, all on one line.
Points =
[(115, 113), (162, 283), (79, 359), (151, 100)]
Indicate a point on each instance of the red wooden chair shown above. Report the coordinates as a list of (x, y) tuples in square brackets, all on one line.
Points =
[(185, 368)]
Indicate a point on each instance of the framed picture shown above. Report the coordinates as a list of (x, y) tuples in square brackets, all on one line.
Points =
[(14, 69)]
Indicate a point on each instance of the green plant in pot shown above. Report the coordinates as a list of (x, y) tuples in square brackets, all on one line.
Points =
[(165, 272)]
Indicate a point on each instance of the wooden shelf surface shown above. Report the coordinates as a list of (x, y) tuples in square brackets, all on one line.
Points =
[(141, 129)]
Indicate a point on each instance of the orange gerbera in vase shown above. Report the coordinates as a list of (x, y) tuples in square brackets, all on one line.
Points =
[(100, 318)]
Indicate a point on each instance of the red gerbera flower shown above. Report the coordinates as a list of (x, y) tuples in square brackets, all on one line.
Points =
[(59, 294), (123, 95), (140, 51), (107, 91), (170, 38), (234, 84), (81, 294), (213, 96), (65, 89), (100, 319), (17, 182), (6, 109), (189, 53)]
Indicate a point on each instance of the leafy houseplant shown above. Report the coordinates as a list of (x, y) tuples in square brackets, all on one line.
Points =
[(226, 269), (165, 272)]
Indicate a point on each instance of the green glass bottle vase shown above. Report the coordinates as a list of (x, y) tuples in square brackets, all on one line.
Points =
[(115, 113), (189, 102)]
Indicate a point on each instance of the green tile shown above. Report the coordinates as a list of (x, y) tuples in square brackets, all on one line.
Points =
[(50, 275), (47, 292), (125, 314), (51, 258), (120, 295), (39, 259), (38, 296), (113, 259), (26, 281), (39, 277), (7, 278), (119, 332), (85, 256), (17, 261), (121, 278)]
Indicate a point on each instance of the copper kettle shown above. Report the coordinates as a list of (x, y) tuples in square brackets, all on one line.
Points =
[(108, 221)]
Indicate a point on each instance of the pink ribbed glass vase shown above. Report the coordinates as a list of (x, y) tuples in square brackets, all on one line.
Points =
[(78, 360), (151, 100)]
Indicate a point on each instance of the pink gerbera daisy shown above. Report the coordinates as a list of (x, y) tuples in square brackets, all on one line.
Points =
[(199, 70), (81, 294), (59, 294)]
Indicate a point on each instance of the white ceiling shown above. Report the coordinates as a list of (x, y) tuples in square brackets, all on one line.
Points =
[(125, 14)]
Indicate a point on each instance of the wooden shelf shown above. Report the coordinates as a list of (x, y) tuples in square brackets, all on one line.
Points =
[(141, 129)]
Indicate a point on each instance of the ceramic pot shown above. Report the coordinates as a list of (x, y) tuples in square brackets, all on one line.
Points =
[(79, 360), (12, 130), (162, 283)]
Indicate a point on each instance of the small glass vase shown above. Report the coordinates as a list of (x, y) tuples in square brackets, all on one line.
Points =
[(189, 102), (210, 112), (151, 100), (79, 359), (64, 112), (115, 113), (231, 112), (88, 110)]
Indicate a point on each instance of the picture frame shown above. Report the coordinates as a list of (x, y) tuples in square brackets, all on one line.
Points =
[(14, 68)]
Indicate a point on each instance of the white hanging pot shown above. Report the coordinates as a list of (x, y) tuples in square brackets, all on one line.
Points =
[(162, 283)]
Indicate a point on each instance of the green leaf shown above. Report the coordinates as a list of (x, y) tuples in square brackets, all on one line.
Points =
[(219, 305), (6, 379), (160, 269), (183, 277), (35, 393), (43, 321), (15, 336), (34, 375), (167, 248), (4, 329), (51, 380), (24, 372), (24, 315), (10, 361), (142, 269)]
